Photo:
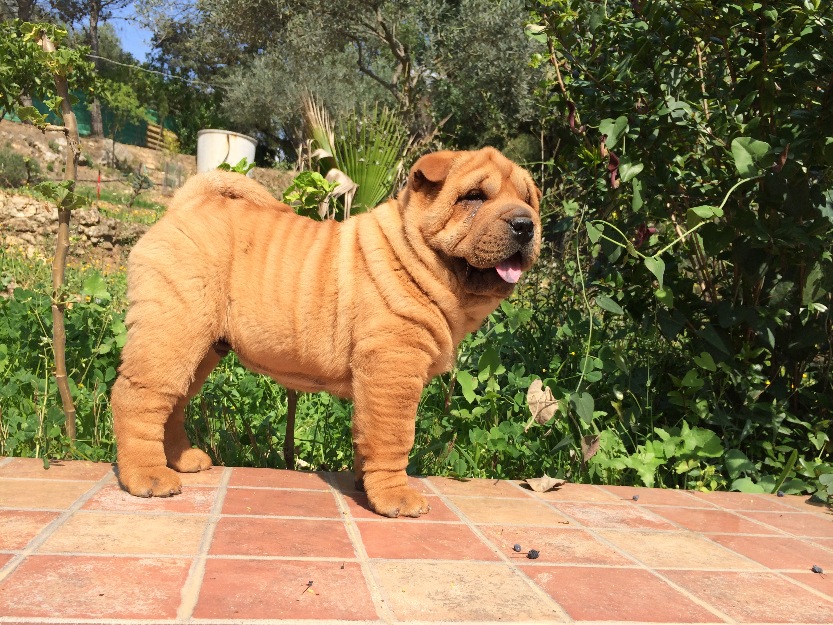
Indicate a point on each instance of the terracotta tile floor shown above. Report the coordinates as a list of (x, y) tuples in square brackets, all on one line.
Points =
[(242, 545)]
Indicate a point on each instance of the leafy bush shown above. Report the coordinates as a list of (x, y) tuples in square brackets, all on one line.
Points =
[(17, 170), (711, 297)]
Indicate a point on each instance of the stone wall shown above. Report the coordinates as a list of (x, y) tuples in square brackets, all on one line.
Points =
[(27, 221)]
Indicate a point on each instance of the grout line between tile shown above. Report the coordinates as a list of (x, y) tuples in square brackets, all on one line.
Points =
[(190, 592), (377, 596), (780, 573), (50, 529), (725, 618), (516, 571)]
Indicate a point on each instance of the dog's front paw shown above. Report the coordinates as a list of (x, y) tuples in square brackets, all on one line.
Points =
[(151, 482), (398, 501), (190, 461)]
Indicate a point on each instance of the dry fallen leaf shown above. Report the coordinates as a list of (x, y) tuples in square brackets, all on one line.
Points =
[(541, 402), (545, 483), (589, 446)]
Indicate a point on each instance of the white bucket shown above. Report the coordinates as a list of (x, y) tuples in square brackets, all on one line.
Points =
[(223, 146)]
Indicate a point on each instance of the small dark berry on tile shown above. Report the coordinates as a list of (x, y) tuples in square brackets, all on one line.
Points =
[(516, 547), (532, 554), (635, 497), (817, 569), (780, 493)]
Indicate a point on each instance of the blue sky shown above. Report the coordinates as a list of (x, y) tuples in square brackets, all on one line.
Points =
[(134, 39)]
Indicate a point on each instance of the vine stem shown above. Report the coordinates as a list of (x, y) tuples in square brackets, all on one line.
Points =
[(589, 314), (682, 237), (686, 234)]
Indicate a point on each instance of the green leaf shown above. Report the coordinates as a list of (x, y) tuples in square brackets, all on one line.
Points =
[(705, 361), (637, 201), (606, 303), (746, 485), (629, 170), (786, 471), (692, 379), (95, 287), (814, 285), (747, 152), (699, 214), (656, 266), (614, 129), (489, 364), (736, 462), (665, 296), (593, 231), (536, 32), (33, 115), (467, 384), (583, 405)]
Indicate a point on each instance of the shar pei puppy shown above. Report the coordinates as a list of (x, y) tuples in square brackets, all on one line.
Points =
[(368, 309)]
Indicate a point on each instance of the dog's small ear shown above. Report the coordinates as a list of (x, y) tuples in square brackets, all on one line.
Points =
[(431, 168)]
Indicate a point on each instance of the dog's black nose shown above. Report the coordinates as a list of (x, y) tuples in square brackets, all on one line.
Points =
[(522, 229)]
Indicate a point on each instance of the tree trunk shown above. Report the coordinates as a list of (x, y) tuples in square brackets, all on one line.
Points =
[(25, 10), (96, 122), (289, 437), (59, 263)]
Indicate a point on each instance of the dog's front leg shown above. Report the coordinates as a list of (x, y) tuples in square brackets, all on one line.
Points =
[(386, 391)]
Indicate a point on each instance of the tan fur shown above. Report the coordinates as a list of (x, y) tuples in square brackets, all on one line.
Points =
[(369, 309)]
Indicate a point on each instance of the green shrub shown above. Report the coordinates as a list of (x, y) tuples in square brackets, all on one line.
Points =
[(16, 170)]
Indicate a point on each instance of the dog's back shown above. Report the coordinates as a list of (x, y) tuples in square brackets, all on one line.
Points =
[(230, 185)]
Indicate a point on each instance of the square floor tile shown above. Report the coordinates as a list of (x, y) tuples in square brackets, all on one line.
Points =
[(804, 503), (360, 509), (251, 536), (718, 521), (58, 469), (741, 501), (657, 496), (94, 587), (576, 492), (680, 550), (466, 591), (796, 523), (287, 503), (345, 482), (755, 597), (48, 494), (101, 532), (614, 516), (555, 545), (209, 477), (195, 500), (476, 488), (18, 527), (614, 594), (435, 541), (266, 589), (277, 478), (820, 582), (777, 552), (507, 511)]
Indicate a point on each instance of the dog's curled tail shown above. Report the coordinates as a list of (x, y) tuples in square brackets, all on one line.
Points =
[(226, 184)]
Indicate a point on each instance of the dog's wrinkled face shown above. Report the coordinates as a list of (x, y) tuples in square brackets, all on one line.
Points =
[(479, 211)]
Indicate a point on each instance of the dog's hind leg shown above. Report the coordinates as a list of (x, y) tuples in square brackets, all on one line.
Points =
[(158, 371), (178, 451)]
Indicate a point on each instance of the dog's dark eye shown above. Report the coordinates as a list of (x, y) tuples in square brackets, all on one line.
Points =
[(475, 195)]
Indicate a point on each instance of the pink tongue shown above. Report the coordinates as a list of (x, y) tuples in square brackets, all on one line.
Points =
[(510, 269)]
